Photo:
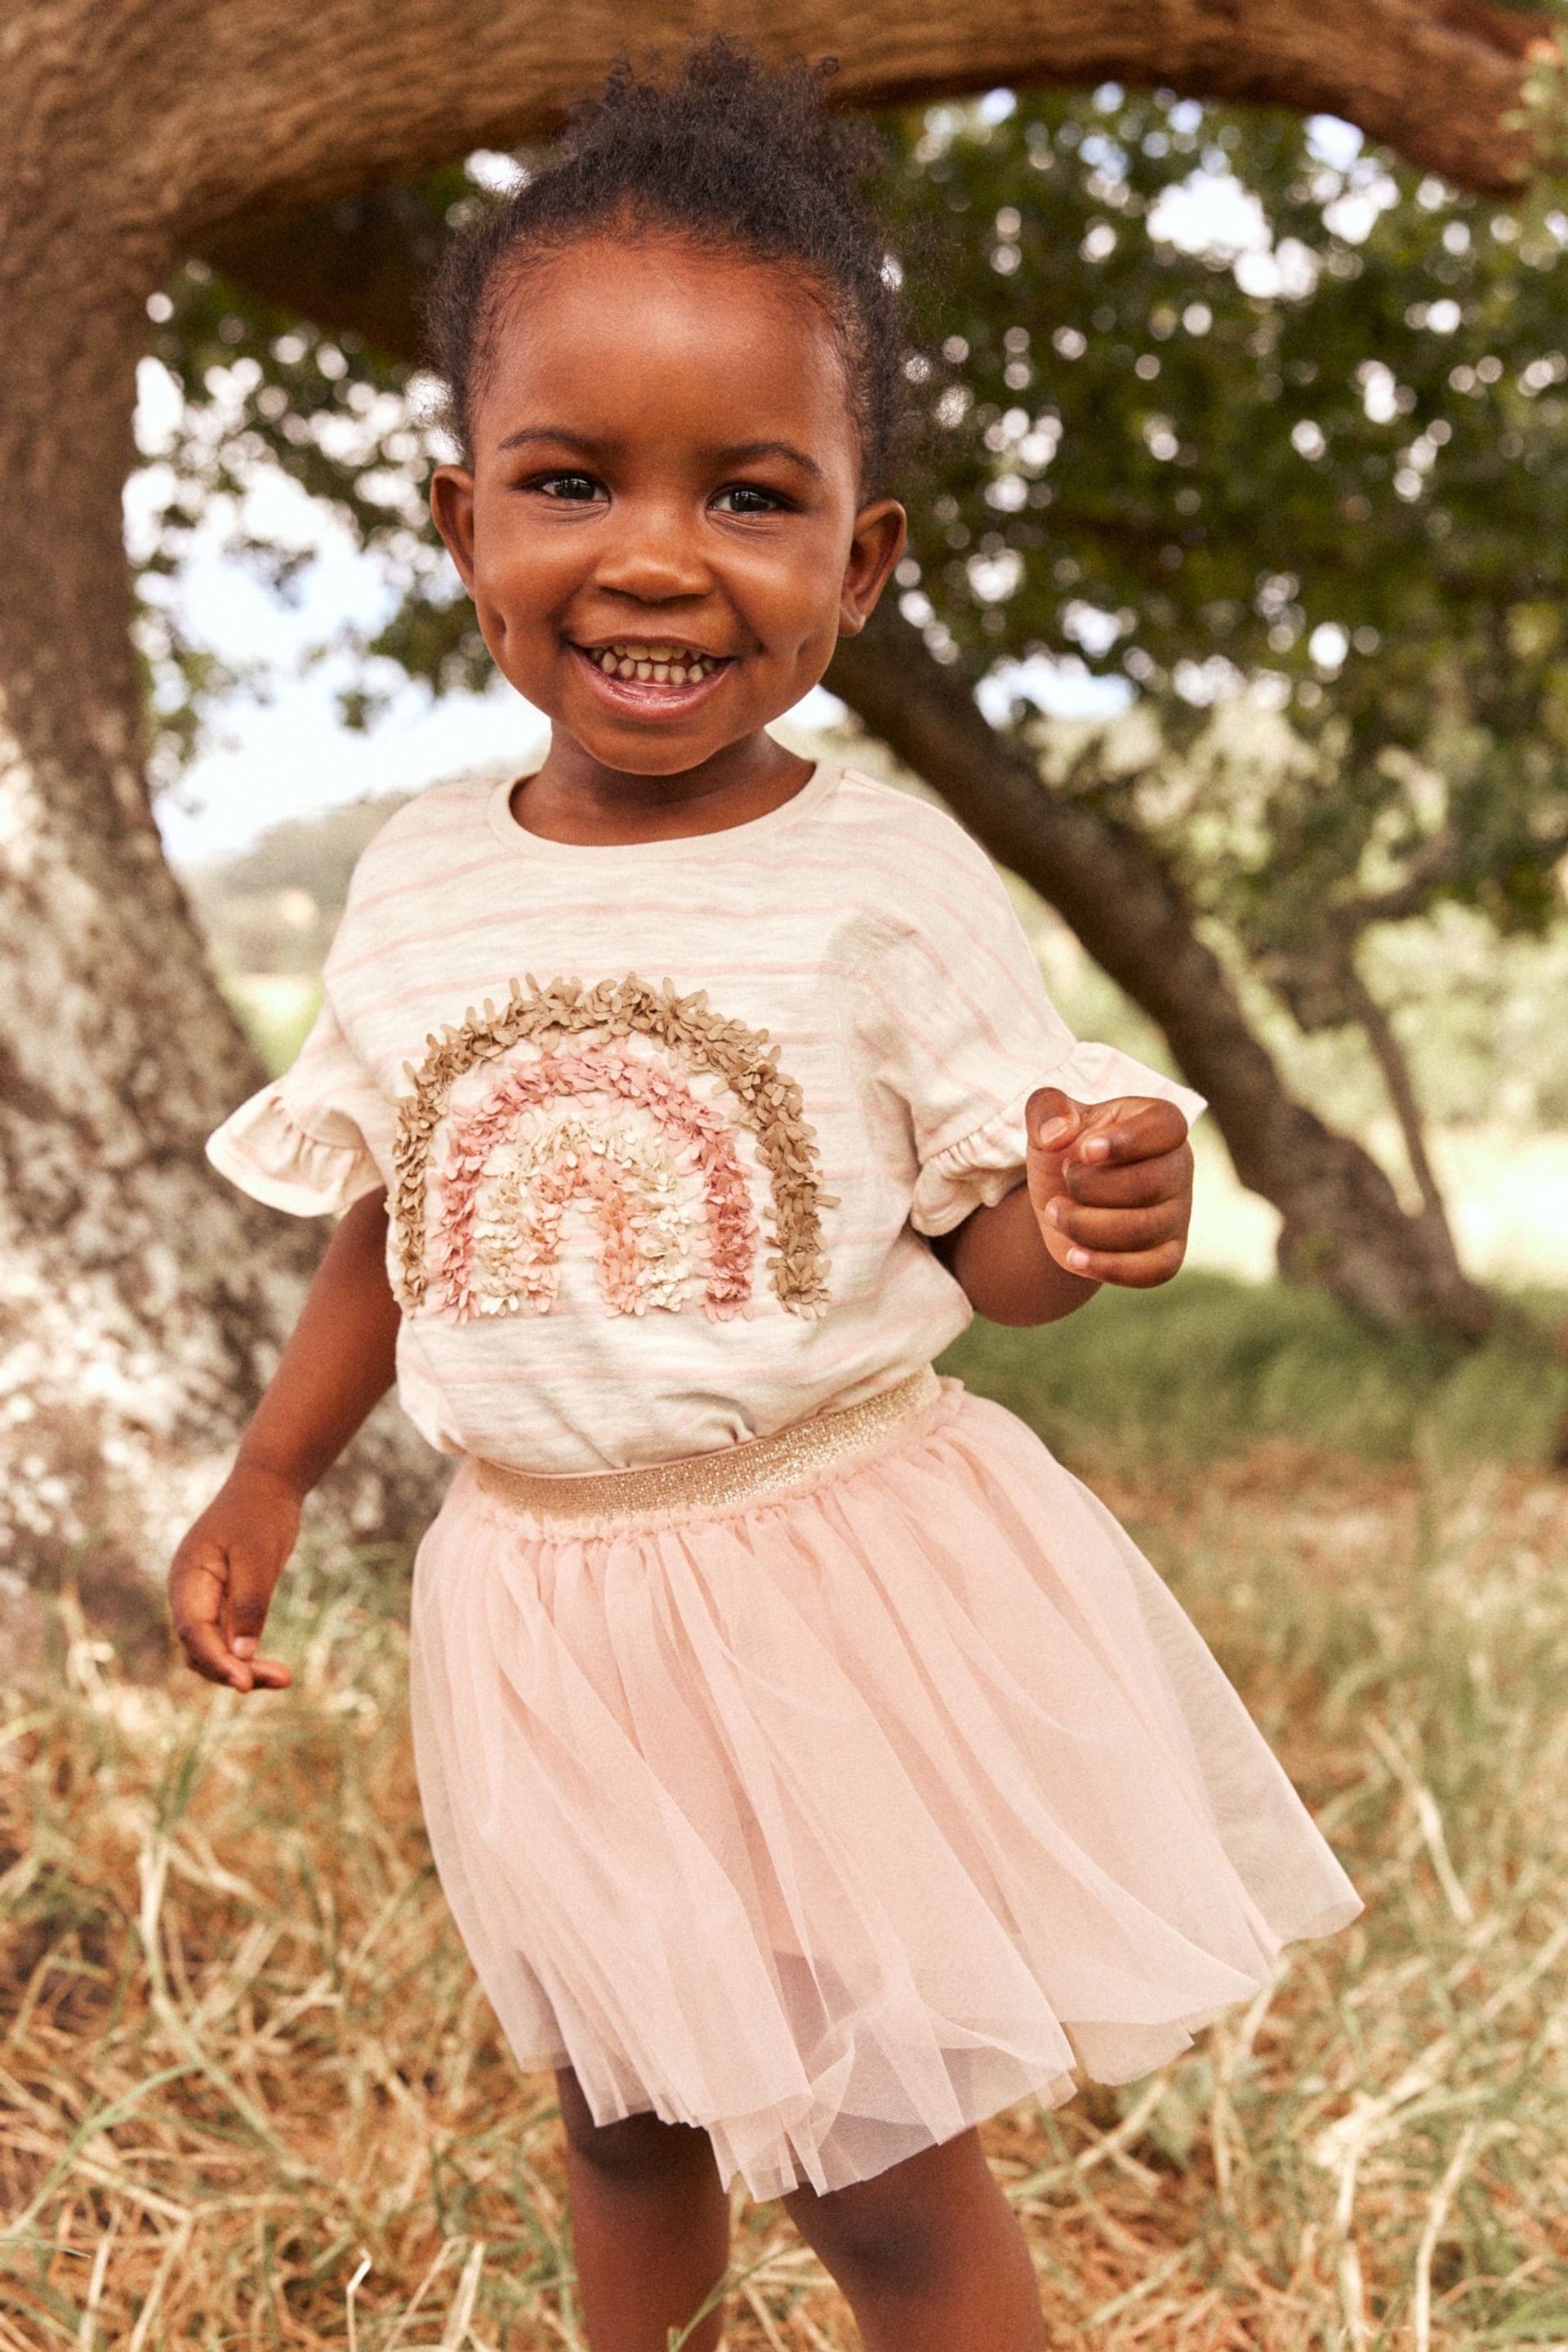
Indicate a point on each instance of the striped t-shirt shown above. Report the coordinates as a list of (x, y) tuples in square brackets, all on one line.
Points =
[(662, 1126)]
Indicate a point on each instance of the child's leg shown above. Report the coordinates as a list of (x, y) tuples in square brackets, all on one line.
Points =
[(650, 2224), (929, 2255)]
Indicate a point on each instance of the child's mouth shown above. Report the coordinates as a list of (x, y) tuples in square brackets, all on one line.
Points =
[(651, 674)]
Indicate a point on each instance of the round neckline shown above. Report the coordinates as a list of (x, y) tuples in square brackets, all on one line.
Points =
[(517, 837)]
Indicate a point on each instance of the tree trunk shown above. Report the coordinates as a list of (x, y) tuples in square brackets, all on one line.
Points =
[(142, 1299), (1343, 1227)]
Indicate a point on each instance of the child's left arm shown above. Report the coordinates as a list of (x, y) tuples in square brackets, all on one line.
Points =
[(1107, 1196)]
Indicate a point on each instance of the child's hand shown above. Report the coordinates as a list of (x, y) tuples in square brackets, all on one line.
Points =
[(222, 1580), (1111, 1184)]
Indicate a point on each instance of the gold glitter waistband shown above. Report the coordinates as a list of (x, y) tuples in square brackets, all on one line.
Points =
[(732, 1474)]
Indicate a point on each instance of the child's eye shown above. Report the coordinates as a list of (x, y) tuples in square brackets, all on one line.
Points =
[(572, 489), (746, 498)]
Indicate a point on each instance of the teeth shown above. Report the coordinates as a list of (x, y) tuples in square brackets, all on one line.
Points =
[(665, 665)]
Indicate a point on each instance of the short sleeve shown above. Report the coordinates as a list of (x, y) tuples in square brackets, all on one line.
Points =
[(969, 1032), (301, 1144)]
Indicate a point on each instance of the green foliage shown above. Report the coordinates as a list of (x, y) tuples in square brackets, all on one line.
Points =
[(316, 852), (268, 915), (1330, 475), (353, 429), (1211, 1367), (276, 1010)]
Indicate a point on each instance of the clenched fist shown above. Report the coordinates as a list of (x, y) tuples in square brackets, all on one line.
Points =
[(1112, 1185)]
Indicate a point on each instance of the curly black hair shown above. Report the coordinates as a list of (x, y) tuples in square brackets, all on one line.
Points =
[(727, 154)]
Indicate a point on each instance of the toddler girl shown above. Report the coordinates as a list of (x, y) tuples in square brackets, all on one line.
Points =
[(813, 1767)]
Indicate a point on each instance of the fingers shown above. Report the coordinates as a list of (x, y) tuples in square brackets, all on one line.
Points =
[(246, 1601), (1123, 1134), (1133, 1248), (1138, 1128), (200, 1587), (1111, 1184), (250, 1584), (1138, 1184), (1128, 1269), (1052, 1119), (1118, 1230)]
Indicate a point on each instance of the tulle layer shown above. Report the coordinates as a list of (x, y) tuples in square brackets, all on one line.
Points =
[(835, 1823)]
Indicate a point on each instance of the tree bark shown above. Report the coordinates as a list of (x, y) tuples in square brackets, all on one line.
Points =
[(1441, 84), (142, 1300), (1343, 1227), (247, 114), (139, 1300)]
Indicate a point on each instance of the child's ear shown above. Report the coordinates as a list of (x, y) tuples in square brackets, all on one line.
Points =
[(880, 531), (452, 505)]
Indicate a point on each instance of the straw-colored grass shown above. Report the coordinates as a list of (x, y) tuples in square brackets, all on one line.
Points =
[(252, 2096)]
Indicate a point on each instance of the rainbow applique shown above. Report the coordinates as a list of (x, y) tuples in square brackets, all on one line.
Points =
[(586, 1121)]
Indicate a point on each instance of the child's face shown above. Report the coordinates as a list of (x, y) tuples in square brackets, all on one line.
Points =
[(663, 532)]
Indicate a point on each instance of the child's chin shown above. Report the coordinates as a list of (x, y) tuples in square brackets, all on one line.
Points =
[(655, 743)]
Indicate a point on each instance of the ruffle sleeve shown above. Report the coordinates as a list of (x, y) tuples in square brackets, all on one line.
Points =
[(301, 1144), (960, 1031), (987, 1164)]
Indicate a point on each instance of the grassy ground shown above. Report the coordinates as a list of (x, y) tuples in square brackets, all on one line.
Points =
[(242, 2057), (1210, 1367)]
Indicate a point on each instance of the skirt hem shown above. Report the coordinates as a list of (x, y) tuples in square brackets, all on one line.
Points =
[(810, 1825), (1160, 2043)]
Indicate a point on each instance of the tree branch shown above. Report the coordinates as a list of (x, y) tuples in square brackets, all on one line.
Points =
[(1390, 1057), (218, 112), (358, 265), (1439, 860), (1343, 1226)]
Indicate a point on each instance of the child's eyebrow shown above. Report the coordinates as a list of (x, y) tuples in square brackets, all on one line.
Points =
[(747, 450), (740, 454), (550, 433)]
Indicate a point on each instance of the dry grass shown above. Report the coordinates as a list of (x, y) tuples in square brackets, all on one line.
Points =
[(252, 2095)]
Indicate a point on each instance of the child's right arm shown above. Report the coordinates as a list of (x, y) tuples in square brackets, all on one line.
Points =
[(338, 1364)]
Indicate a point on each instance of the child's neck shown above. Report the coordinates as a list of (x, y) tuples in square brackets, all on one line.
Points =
[(574, 797)]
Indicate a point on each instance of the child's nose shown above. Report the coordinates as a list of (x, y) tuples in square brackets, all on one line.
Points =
[(654, 557)]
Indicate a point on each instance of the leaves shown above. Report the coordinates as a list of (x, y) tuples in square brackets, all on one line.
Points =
[(1316, 464), (1218, 406)]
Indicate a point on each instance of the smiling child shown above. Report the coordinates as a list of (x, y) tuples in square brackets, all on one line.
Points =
[(814, 1768)]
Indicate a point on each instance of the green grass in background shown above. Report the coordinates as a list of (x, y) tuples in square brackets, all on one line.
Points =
[(1211, 1366), (275, 1009)]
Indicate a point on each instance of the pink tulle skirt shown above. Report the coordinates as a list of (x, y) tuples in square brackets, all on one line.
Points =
[(837, 1821)]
